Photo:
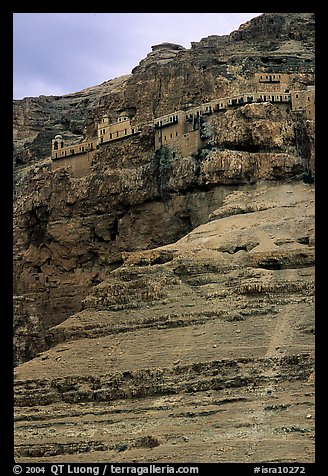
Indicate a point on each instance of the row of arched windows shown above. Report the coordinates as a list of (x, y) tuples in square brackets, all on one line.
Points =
[(56, 144)]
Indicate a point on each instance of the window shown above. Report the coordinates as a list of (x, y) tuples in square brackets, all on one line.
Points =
[(56, 145), (62, 144), (296, 96)]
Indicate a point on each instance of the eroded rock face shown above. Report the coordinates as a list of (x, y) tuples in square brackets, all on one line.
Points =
[(213, 333), (277, 27), (161, 54)]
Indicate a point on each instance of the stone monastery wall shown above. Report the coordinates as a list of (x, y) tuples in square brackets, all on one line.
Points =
[(182, 129), (79, 164), (118, 130)]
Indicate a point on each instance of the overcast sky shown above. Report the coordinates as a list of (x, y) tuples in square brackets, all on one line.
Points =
[(61, 53)]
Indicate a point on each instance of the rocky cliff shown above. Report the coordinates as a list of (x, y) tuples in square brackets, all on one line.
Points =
[(185, 280), (69, 233), (198, 351)]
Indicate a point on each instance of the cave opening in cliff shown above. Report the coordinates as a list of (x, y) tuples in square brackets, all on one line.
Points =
[(113, 230)]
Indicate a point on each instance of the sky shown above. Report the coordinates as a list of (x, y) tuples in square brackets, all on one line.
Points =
[(61, 53)]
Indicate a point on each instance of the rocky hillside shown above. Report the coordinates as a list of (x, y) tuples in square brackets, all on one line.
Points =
[(164, 303), (199, 351), (70, 233)]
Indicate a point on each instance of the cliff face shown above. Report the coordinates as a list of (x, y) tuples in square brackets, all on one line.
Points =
[(98, 263), (69, 233), (198, 351), (280, 27)]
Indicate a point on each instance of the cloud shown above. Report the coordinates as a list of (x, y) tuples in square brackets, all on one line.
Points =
[(60, 53)]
